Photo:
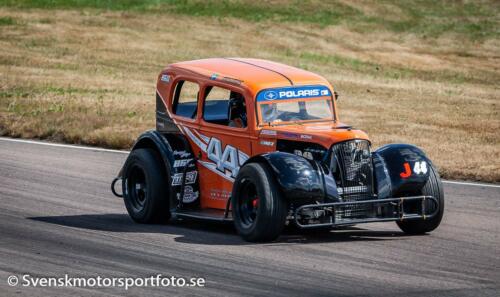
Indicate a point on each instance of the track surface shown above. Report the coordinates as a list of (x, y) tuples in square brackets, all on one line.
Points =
[(57, 216)]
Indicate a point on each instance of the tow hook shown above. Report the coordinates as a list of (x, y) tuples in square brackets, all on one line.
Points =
[(113, 187)]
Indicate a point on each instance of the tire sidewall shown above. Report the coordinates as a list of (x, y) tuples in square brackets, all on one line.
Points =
[(267, 214), (156, 194), (433, 187), (438, 191)]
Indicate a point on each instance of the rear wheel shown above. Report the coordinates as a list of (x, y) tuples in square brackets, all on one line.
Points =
[(259, 210), (434, 188), (145, 188)]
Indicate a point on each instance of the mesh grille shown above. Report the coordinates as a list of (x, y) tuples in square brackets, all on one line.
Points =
[(351, 166)]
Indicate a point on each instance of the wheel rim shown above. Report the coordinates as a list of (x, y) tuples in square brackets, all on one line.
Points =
[(248, 205), (137, 188)]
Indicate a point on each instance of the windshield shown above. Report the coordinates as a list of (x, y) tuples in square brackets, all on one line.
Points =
[(295, 104), (296, 110)]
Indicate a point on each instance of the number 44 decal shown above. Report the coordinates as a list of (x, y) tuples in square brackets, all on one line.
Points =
[(418, 168)]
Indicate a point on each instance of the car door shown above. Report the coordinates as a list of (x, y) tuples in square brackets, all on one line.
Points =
[(185, 113), (223, 143)]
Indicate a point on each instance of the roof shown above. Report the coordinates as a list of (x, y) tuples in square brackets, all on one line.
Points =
[(256, 74)]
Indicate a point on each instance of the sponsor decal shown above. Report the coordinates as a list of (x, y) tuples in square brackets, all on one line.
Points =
[(214, 76), (303, 136), (181, 163), (182, 154), (293, 93), (165, 78), (190, 178), (267, 143), (217, 194), (189, 195), (270, 95), (268, 132)]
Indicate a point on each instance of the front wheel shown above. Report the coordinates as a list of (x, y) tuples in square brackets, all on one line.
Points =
[(434, 188), (259, 210), (145, 187)]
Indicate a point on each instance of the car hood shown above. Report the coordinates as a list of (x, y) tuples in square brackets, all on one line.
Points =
[(325, 134)]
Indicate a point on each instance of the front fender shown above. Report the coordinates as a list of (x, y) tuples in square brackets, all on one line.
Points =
[(300, 180), (400, 169)]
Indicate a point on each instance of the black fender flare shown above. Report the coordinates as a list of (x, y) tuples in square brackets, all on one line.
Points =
[(394, 169), (154, 140), (173, 150), (300, 180)]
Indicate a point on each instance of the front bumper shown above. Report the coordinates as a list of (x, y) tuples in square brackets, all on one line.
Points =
[(384, 210)]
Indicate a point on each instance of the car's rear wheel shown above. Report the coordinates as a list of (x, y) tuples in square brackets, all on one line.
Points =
[(145, 187), (434, 188), (259, 210)]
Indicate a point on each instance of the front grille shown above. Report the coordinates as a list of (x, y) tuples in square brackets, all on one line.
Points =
[(351, 165)]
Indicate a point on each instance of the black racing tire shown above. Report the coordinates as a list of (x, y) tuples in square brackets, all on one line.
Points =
[(259, 209), (433, 187), (145, 187)]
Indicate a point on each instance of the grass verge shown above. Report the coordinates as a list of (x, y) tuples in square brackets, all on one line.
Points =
[(87, 75)]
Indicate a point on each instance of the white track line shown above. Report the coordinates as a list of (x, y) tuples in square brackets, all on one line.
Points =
[(64, 145), (471, 184), (126, 152)]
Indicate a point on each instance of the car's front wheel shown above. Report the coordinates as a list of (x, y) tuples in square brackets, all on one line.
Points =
[(259, 210), (145, 187), (434, 188)]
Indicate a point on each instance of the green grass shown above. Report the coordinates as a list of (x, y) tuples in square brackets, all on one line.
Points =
[(7, 21), (419, 72), (391, 71), (76, 4), (475, 20), (433, 18)]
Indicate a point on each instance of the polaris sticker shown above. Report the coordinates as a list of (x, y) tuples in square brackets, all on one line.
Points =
[(293, 93)]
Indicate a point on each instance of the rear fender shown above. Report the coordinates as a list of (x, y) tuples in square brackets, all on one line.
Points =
[(177, 158), (400, 169)]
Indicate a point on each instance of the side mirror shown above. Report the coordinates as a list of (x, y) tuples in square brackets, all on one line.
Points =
[(336, 95)]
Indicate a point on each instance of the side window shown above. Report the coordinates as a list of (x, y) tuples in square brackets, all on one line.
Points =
[(185, 101), (224, 107)]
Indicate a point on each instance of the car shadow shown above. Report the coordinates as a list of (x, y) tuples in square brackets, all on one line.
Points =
[(213, 233)]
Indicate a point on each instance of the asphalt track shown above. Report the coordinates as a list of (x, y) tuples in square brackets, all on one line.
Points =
[(57, 217)]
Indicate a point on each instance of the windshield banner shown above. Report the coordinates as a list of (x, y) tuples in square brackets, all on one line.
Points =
[(293, 93)]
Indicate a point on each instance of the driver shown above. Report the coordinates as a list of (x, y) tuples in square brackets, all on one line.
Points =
[(237, 111)]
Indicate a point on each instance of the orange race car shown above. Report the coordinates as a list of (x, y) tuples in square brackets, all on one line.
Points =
[(261, 144)]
